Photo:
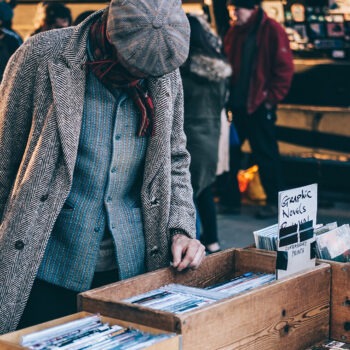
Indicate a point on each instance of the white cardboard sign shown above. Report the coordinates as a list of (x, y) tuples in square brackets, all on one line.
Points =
[(296, 207)]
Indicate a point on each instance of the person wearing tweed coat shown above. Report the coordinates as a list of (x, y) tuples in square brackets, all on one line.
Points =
[(41, 108)]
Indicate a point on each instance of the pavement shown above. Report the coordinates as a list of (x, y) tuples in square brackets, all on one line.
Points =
[(237, 230)]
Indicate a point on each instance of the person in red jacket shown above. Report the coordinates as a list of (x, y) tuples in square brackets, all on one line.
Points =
[(258, 50)]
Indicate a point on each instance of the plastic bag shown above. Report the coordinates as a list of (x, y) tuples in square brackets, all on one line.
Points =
[(249, 184)]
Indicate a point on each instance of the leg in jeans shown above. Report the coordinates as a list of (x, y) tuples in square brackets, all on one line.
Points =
[(198, 224), (235, 166), (207, 212), (230, 196), (240, 119)]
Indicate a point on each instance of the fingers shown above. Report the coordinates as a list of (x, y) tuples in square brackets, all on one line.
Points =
[(192, 256), (197, 260), (177, 248), (187, 252)]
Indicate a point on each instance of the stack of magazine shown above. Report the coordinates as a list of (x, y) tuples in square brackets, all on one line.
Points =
[(333, 242), (266, 238), (177, 298), (90, 333)]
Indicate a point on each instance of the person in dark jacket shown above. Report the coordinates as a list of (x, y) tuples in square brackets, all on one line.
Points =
[(82, 16), (258, 49), (9, 40), (54, 15), (205, 75)]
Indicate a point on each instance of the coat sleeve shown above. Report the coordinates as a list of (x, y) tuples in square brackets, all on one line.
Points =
[(15, 116), (182, 212), (282, 65)]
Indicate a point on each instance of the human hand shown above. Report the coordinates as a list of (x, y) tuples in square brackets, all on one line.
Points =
[(187, 252)]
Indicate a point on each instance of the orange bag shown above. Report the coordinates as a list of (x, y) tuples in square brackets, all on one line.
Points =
[(249, 183)]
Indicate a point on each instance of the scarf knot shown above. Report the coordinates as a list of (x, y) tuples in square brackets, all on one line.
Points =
[(106, 67)]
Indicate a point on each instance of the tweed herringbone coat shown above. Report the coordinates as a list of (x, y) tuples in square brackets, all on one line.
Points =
[(41, 106)]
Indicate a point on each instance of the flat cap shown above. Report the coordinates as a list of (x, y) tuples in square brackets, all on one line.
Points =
[(151, 36)]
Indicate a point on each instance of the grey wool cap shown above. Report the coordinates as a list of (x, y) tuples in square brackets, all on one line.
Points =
[(151, 36)]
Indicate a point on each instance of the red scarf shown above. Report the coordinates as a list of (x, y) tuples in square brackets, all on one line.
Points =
[(111, 73), (233, 42)]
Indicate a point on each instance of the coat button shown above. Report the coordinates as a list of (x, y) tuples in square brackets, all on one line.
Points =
[(154, 251), (19, 245), (154, 201), (44, 197)]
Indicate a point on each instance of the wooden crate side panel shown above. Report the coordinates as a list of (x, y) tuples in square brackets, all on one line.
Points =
[(4, 345), (15, 337), (290, 314), (340, 301), (130, 287), (215, 268), (167, 344), (12, 340), (133, 313), (255, 260)]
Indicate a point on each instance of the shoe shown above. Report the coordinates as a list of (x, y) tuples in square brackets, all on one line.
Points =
[(228, 209), (267, 212), (212, 248)]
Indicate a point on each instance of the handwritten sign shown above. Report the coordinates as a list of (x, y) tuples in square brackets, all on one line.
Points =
[(297, 206), (297, 213)]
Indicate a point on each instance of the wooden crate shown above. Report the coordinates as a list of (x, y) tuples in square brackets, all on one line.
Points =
[(291, 313), (11, 341), (339, 298), (340, 301)]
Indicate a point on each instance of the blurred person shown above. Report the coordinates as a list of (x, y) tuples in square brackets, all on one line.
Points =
[(82, 16), (205, 75), (7, 23), (227, 189), (9, 40), (52, 15), (222, 18), (258, 49), (95, 182)]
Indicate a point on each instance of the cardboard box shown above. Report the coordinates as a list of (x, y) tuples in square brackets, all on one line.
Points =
[(340, 301), (291, 313), (11, 341)]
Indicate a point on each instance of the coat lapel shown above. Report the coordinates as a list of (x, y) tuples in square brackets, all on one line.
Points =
[(67, 74), (159, 144), (68, 86)]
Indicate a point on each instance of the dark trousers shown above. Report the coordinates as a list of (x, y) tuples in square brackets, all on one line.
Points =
[(259, 128), (227, 184), (47, 301), (207, 214)]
